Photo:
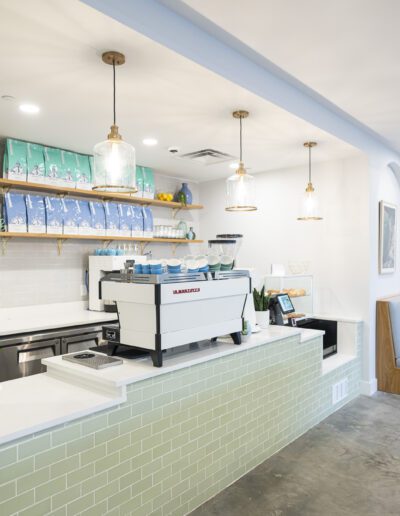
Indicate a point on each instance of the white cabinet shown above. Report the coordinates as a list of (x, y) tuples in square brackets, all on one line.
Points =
[(298, 286)]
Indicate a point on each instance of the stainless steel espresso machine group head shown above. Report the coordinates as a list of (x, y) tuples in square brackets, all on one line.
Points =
[(159, 312)]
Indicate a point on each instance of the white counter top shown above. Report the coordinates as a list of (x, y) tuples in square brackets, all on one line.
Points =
[(338, 318), (69, 391), (24, 319), (34, 403), (132, 371)]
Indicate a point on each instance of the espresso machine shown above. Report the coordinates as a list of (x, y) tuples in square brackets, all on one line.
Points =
[(157, 312)]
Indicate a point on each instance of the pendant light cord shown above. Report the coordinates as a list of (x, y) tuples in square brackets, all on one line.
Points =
[(240, 119), (309, 164), (114, 110)]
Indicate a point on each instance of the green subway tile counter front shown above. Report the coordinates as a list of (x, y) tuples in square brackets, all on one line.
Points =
[(175, 436)]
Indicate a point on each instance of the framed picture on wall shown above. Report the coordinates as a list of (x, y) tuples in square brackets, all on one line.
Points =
[(387, 237)]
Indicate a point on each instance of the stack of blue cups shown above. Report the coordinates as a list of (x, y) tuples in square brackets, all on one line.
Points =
[(145, 268), (156, 268)]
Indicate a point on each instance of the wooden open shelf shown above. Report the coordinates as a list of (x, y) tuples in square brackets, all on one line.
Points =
[(92, 194), (5, 236), (110, 238)]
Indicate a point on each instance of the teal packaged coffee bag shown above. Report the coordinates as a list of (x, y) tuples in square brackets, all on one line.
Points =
[(35, 162), (67, 176), (14, 162), (83, 174), (139, 180), (148, 183), (52, 165)]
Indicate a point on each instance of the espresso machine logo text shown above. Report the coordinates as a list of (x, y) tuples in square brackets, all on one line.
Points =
[(186, 291)]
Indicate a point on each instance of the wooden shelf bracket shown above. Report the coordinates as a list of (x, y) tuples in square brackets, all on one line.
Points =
[(4, 244), (175, 212), (60, 243), (143, 246), (174, 247), (107, 243)]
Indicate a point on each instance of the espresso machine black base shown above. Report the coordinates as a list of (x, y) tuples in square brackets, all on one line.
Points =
[(236, 337)]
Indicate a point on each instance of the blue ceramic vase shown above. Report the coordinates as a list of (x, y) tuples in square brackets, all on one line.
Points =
[(191, 234), (184, 193)]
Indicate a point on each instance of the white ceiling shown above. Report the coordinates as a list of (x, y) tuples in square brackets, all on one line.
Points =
[(50, 55), (346, 50)]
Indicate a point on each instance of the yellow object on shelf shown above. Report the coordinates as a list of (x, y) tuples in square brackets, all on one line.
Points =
[(163, 196)]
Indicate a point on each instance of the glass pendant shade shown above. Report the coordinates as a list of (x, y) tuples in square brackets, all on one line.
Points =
[(310, 205), (240, 191), (114, 160), (309, 209), (114, 166), (240, 188)]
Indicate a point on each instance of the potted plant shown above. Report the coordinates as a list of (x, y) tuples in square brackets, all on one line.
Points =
[(261, 302)]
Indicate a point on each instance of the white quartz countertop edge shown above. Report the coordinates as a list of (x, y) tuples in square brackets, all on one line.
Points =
[(338, 318), (27, 319), (132, 371), (35, 403)]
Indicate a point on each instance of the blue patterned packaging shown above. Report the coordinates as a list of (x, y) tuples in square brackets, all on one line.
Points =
[(125, 219), (35, 213), (54, 215), (112, 218), (148, 228), (98, 218), (15, 212), (137, 223), (85, 219), (71, 216)]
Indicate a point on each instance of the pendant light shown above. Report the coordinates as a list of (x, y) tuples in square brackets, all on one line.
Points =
[(309, 205), (240, 187), (114, 159)]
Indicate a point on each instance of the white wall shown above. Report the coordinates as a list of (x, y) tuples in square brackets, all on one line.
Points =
[(383, 187), (32, 273), (336, 247)]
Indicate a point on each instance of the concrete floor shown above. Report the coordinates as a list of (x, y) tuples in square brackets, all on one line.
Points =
[(348, 465)]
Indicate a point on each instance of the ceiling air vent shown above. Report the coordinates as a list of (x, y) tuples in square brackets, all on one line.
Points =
[(208, 156)]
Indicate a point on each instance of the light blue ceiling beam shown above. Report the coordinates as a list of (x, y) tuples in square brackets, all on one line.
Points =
[(176, 26)]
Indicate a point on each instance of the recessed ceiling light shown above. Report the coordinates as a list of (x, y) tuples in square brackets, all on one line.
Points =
[(31, 109), (234, 165), (150, 142)]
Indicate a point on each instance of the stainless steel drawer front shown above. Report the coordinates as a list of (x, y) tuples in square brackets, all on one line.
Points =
[(36, 354), (25, 359), (21, 355)]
